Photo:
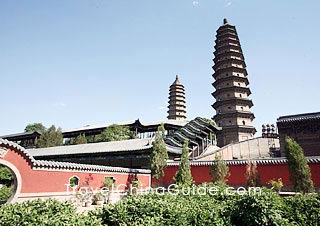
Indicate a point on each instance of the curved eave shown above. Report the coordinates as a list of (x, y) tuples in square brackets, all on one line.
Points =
[(225, 54), (232, 78), (228, 48), (229, 60), (232, 114), (229, 69), (232, 89), (236, 100)]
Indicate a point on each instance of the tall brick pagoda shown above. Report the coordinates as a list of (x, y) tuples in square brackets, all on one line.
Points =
[(177, 102), (231, 88)]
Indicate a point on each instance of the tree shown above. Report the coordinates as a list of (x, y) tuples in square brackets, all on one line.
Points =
[(116, 132), (35, 127), (183, 176), (50, 138), (252, 175), (81, 139), (159, 155), (219, 170), (299, 171)]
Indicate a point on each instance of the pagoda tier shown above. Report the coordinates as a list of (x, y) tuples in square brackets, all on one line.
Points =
[(177, 102), (231, 88)]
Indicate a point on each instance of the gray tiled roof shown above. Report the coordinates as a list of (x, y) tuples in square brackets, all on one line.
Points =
[(274, 161), (299, 117), (168, 121), (43, 164), (102, 147)]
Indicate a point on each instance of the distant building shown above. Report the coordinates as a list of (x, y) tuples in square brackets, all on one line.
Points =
[(177, 102), (231, 88), (303, 128)]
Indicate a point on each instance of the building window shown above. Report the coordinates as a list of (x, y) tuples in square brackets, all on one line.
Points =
[(242, 108), (243, 123), (227, 84), (228, 95), (229, 107), (230, 122), (239, 84), (240, 95)]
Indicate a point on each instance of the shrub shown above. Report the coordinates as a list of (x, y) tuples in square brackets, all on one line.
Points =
[(44, 213), (264, 209), (303, 209)]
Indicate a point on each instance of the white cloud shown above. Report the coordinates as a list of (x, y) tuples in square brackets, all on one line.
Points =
[(60, 105), (228, 3), (195, 3)]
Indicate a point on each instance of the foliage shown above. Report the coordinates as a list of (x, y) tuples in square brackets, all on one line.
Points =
[(265, 209), (159, 155), (161, 210), (6, 176), (74, 181), (276, 184), (81, 139), (254, 210), (6, 183), (50, 138), (108, 182), (183, 176), (45, 213), (219, 170), (5, 192), (261, 209), (116, 132), (303, 209), (35, 127), (252, 175), (299, 170)]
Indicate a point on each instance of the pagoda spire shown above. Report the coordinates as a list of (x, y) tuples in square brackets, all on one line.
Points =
[(177, 102), (232, 103)]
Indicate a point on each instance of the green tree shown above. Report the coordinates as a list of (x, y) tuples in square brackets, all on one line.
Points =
[(116, 132), (159, 155), (183, 176), (50, 138), (35, 127), (219, 170), (81, 139), (6, 183), (299, 170)]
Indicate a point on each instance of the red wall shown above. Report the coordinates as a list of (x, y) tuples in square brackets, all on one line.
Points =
[(35, 181), (237, 174)]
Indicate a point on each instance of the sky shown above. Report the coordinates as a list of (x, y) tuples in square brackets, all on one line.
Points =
[(73, 63)]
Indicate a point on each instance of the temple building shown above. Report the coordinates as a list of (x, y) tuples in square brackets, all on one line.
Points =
[(304, 129), (177, 102), (231, 93)]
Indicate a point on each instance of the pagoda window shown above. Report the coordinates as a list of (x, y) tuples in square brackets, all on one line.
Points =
[(243, 123), (240, 95)]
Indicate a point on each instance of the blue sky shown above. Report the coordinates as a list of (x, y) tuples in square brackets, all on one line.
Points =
[(80, 62)]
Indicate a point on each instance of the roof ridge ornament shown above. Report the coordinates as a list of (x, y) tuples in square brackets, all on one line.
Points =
[(225, 21)]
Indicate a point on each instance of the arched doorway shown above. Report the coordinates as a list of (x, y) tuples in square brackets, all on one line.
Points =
[(16, 180)]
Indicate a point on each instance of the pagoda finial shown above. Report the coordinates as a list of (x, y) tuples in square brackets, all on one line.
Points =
[(225, 21)]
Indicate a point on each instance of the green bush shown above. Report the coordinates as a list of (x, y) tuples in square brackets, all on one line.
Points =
[(49, 212), (5, 192), (266, 208), (303, 209)]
